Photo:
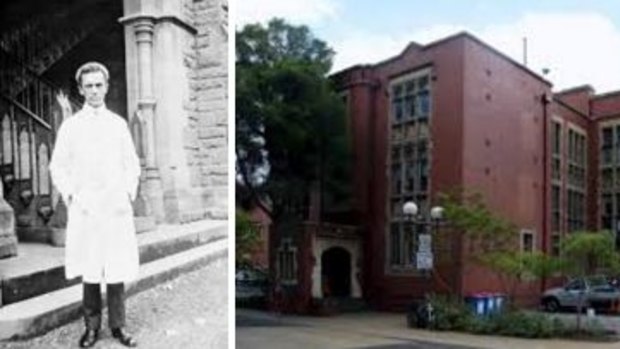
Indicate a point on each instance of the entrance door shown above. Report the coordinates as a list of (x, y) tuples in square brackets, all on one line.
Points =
[(336, 272)]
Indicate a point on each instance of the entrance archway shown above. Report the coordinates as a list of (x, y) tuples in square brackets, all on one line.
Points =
[(336, 272)]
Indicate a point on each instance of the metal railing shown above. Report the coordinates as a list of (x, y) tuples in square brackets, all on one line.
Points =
[(26, 142), (31, 91)]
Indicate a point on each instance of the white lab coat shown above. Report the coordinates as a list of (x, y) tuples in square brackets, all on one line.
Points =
[(95, 168)]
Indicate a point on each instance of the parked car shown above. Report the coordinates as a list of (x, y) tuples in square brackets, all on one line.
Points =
[(614, 281), (596, 292), (251, 286)]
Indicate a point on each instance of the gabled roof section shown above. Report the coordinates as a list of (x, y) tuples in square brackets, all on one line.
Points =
[(412, 46), (464, 35), (495, 51)]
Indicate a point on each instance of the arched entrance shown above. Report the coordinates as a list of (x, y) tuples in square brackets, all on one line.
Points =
[(336, 272)]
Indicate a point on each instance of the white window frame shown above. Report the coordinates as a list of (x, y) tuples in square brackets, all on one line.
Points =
[(287, 262), (522, 234)]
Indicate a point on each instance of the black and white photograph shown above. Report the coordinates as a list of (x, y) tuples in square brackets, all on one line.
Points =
[(114, 174)]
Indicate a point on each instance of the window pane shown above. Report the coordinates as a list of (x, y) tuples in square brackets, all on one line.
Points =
[(527, 241), (398, 110), (423, 83), (555, 168), (423, 163), (397, 90), (555, 245), (408, 244), (409, 87), (410, 177), (396, 179), (394, 244), (556, 134), (396, 153), (607, 136), (424, 104), (408, 108), (408, 151)]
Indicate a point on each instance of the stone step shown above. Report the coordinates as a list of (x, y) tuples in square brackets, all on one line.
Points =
[(336, 305), (351, 305), (39, 314), (39, 268)]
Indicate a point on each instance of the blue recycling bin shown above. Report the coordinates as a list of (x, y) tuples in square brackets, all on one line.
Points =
[(486, 303), (490, 303), (500, 299), (478, 303)]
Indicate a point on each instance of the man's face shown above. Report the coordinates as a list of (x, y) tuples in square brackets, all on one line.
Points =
[(94, 88)]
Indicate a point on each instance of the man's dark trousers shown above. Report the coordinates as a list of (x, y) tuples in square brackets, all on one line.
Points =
[(92, 305)]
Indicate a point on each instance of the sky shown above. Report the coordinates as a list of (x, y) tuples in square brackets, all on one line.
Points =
[(577, 41)]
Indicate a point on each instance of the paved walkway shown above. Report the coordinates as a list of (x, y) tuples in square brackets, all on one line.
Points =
[(187, 312), (371, 330)]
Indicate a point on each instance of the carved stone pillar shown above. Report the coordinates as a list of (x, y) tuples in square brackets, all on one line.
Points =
[(8, 237), (161, 80), (150, 183)]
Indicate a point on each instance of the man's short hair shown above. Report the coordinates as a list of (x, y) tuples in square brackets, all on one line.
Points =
[(91, 67)]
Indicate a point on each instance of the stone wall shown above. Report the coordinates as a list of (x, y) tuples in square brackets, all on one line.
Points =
[(206, 138), (8, 239)]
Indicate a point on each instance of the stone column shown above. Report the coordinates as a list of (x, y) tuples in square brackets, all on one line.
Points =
[(8, 237), (151, 185), (161, 58)]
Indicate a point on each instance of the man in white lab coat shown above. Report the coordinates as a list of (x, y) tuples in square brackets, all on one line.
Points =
[(95, 168)]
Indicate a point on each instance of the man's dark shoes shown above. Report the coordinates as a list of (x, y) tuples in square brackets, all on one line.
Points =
[(124, 338), (89, 338)]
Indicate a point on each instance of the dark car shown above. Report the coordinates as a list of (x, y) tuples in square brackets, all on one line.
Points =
[(251, 286)]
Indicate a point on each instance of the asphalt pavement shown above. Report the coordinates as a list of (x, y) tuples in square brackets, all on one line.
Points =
[(366, 330), (257, 330)]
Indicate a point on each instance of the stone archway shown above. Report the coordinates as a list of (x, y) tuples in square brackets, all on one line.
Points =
[(336, 272)]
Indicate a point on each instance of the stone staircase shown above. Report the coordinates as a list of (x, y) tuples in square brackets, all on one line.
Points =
[(36, 297)]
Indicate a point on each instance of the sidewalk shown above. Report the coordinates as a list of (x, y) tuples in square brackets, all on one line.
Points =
[(393, 326)]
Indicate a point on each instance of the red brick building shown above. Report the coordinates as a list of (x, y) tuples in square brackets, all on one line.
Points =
[(458, 113)]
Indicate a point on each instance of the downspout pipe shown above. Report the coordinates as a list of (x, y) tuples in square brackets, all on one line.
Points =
[(546, 99)]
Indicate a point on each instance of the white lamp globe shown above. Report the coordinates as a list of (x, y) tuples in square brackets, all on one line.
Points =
[(437, 212), (410, 208)]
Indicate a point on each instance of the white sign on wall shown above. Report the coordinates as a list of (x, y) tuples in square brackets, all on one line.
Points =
[(424, 257), (425, 243), (424, 260)]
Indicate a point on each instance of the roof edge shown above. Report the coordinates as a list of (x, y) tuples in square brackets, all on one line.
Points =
[(574, 89), (456, 36)]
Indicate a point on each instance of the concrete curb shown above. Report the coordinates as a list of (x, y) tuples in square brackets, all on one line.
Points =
[(42, 313)]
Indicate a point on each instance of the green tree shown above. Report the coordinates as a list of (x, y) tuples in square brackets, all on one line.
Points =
[(587, 253), (290, 127), (493, 238), (246, 237)]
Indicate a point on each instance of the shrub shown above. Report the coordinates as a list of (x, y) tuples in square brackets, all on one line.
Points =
[(452, 314), (527, 325)]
